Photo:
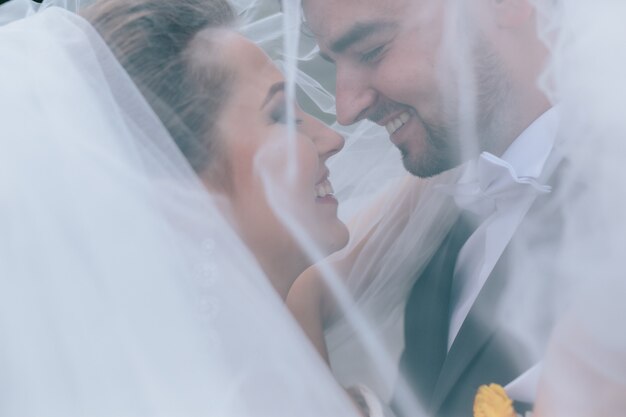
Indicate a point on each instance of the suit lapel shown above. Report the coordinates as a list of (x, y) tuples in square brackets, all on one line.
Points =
[(477, 329), (481, 323)]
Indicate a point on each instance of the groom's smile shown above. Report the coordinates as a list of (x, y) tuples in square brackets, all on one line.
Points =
[(408, 132), (405, 128), (387, 58)]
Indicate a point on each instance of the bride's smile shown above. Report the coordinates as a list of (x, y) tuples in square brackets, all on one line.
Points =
[(278, 185)]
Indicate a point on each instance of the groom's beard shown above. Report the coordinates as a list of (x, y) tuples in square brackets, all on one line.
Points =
[(495, 102), (437, 152), (442, 153), (460, 137)]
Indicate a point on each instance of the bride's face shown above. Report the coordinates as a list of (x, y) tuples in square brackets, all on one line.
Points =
[(277, 185)]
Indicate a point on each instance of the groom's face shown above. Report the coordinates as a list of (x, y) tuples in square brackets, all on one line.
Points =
[(391, 69)]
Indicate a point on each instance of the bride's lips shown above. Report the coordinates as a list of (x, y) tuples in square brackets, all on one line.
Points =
[(324, 192)]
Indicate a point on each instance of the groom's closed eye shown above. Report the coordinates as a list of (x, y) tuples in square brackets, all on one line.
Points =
[(372, 54), (357, 34)]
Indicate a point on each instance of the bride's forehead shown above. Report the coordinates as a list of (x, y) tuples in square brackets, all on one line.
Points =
[(240, 52), (244, 59), (230, 48)]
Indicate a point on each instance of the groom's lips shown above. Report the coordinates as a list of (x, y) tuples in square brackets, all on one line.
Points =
[(411, 136), (406, 129), (391, 116), (396, 123), (399, 135)]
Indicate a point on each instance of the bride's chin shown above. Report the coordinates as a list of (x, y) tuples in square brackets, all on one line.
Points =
[(342, 237)]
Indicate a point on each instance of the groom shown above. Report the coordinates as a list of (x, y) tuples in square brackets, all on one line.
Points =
[(393, 69)]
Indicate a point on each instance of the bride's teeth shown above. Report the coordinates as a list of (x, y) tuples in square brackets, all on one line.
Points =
[(323, 189)]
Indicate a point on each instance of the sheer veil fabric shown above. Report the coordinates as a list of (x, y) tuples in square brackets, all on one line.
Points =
[(584, 372), (396, 221), (166, 313), (123, 290), (402, 219)]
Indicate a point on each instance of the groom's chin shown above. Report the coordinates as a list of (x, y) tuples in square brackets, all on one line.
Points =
[(426, 165), (423, 166)]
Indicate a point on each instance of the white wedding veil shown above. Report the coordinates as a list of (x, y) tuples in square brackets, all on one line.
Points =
[(402, 219), (584, 79), (394, 228), (123, 290), (584, 370)]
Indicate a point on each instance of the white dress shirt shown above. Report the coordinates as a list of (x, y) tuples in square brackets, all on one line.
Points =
[(525, 160)]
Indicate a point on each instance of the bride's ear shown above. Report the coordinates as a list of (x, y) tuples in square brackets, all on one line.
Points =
[(512, 13)]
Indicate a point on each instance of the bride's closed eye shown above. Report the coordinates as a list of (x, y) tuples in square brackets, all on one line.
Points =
[(278, 114), (278, 106)]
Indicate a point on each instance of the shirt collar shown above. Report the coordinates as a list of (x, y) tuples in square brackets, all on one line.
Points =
[(530, 151)]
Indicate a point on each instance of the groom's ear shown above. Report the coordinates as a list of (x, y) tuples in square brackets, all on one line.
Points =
[(512, 13)]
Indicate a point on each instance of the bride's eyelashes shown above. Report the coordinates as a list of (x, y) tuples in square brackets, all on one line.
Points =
[(278, 115)]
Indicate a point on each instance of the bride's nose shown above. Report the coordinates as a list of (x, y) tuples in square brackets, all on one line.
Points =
[(327, 141)]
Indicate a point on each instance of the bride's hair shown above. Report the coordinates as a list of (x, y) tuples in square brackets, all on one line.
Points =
[(153, 40)]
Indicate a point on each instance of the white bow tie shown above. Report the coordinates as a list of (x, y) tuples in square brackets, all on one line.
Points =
[(495, 183)]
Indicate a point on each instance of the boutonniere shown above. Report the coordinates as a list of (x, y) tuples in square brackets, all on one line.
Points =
[(493, 401)]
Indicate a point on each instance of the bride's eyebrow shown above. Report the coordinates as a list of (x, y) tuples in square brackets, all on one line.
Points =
[(273, 90)]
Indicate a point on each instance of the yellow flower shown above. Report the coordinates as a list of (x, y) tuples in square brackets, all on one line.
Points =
[(492, 401)]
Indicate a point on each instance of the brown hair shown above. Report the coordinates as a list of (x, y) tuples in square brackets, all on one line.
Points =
[(153, 40)]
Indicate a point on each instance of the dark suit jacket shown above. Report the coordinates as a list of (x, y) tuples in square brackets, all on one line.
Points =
[(484, 351)]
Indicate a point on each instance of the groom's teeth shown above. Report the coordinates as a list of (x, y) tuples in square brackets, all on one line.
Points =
[(397, 123)]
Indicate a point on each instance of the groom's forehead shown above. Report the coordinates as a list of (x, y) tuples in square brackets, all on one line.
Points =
[(331, 20), (356, 8)]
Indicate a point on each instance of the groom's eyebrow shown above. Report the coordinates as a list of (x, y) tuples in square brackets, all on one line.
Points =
[(359, 32)]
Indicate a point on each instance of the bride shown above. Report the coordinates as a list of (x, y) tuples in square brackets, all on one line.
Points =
[(224, 103), (126, 288)]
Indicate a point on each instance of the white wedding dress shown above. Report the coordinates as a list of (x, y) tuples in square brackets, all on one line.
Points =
[(123, 290)]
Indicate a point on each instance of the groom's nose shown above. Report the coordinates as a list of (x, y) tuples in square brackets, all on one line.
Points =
[(354, 96)]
